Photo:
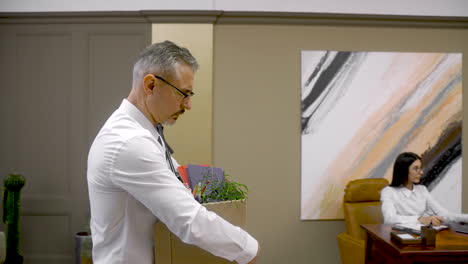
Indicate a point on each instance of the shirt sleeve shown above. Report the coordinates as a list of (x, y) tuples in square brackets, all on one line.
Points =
[(434, 208), (140, 168), (389, 209)]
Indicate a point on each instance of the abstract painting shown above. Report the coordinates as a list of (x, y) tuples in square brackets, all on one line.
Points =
[(359, 110)]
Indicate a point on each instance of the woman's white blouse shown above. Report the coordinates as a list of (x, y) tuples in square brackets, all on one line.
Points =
[(401, 205)]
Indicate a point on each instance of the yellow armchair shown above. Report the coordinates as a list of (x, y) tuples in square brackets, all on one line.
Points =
[(361, 205)]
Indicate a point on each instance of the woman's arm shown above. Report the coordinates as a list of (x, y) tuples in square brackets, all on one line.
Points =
[(437, 209)]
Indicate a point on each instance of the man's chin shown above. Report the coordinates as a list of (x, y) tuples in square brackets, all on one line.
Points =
[(171, 121)]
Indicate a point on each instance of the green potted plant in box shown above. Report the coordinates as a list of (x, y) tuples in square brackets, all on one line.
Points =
[(220, 190), (222, 196)]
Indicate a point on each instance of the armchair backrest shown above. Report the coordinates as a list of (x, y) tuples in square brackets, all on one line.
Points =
[(361, 205)]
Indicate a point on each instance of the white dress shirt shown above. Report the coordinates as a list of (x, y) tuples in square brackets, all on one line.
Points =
[(401, 205), (131, 187)]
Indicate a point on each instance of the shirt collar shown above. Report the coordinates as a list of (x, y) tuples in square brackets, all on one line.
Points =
[(407, 192), (130, 109)]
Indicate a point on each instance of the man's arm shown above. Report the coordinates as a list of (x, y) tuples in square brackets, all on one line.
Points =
[(141, 170)]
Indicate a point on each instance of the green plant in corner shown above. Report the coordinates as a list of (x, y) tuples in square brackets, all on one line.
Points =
[(11, 213), (226, 190)]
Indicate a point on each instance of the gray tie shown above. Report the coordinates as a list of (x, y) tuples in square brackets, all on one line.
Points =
[(168, 150), (160, 130)]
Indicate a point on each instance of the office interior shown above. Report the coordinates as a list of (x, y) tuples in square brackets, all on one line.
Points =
[(62, 74)]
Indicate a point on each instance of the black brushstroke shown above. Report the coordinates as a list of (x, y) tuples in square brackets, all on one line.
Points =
[(325, 78), (440, 157), (388, 161), (317, 68)]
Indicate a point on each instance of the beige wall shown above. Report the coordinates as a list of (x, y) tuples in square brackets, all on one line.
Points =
[(246, 117), (256, 122), (191, 138)]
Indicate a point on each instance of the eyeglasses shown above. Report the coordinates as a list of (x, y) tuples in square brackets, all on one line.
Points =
[(185, 94), (416, 169)]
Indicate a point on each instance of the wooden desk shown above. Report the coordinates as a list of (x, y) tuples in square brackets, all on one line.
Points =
[(451, 247)]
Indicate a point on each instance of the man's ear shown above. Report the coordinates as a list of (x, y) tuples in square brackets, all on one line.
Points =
[(149, 83)]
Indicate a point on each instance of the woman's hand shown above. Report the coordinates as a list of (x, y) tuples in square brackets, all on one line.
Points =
[(435, 220), (425, 220)]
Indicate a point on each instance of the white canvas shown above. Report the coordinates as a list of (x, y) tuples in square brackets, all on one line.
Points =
[(361, 109)]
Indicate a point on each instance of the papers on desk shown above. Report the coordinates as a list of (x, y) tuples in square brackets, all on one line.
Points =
[(415, 228), (441, 227), (404, 238)]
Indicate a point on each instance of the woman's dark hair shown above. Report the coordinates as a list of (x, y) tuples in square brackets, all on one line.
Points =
[(401, 168)]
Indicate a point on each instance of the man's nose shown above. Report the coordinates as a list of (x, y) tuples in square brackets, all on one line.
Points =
[(187, 103)]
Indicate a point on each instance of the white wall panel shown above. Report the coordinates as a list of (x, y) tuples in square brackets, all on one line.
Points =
[(396, 7)]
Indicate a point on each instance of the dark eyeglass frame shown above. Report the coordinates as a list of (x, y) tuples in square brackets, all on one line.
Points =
[(186, 95), (416, 169)]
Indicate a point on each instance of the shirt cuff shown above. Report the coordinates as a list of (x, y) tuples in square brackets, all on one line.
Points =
[(251, 250)]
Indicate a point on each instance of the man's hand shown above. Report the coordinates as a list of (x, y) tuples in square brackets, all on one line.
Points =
[(253, 261)]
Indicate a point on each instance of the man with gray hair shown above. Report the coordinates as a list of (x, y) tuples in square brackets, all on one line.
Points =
[(132, 179)]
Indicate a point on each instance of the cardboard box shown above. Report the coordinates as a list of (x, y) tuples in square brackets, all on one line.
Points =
[(169, 249)]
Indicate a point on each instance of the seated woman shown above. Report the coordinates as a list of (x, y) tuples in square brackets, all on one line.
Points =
[(404, 201)]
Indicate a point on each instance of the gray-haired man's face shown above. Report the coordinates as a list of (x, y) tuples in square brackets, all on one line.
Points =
[(166, 103)]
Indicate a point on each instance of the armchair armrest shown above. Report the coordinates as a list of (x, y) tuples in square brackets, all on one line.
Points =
[(352, 250)]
